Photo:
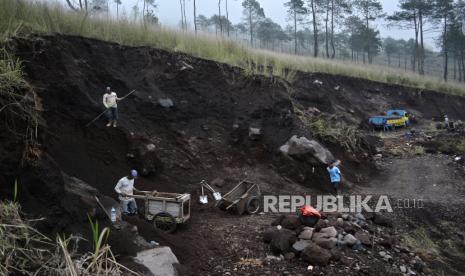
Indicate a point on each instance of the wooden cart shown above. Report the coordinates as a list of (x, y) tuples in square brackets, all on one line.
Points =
[(244, 197), (165, 210)]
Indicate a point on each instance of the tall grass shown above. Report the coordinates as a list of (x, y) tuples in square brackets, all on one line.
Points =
[(25, 16)]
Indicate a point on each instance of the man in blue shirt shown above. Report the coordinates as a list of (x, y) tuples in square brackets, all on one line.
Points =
[(335, 174)]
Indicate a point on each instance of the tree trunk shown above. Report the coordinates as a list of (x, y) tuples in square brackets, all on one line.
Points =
[(326, 30), (227, 15), (463, 64), (315, 30), (250, 26), (85, 4), (80, 4), (143, 10), (195, 17), (117, 11), (184, 13), (422, 49), (333, 47), (219, 17), (71, 5), (446, 57), (417, 59), (455, 66), (295, 32)]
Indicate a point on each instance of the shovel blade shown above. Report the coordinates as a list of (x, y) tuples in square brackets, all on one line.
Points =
[(217, 196), (203, 199)]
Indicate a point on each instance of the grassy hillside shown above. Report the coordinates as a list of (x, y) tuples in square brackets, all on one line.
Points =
[(19, 17)]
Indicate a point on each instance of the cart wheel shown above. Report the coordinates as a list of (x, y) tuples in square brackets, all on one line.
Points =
[(253, 205), (165, 222)]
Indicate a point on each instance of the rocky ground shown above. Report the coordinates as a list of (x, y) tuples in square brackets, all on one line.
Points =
[(192, 119)]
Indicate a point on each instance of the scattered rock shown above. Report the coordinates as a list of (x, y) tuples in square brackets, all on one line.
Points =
[(291, 222), (159, 260), (306, 234), (282, 241), (329, 231), (316, 255), (289, 256), (318, 82), (166, 103), (255, 133), (403, 269), (327, 243), (350, 240), (269, 234), (301, 245), (364, 238)]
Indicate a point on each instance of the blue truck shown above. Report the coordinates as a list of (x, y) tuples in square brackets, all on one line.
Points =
[(393, 118)]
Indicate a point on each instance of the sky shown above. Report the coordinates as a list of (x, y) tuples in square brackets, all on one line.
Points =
[(168, 12)]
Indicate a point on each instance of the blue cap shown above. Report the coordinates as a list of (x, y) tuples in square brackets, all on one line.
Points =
[(133, 173)]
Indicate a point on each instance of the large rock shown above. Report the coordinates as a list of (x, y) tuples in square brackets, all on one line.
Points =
[(269, 234), (291, 222), (350, 240), (329, 231), (148, 161), (329, 243), (306, 234), (159, 261), (297, 147), (316, 255), (282, 241), (301, 245)]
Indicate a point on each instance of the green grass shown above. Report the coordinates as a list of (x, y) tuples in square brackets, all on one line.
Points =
[(19, 17)]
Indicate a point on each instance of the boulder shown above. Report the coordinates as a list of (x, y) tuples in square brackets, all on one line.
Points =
[(148, 160), (297, 147), (301, 245), (329, 243), (350, 240), (306, 234), (269, 234), (329, 231), (282, 241), (159, 261), (316, 255)]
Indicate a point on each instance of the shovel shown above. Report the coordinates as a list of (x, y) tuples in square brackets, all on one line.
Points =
[(203, 198)]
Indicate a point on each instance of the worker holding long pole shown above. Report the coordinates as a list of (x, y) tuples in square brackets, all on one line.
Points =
[(110, 100)]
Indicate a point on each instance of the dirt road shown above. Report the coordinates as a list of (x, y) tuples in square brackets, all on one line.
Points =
[(435, 178)]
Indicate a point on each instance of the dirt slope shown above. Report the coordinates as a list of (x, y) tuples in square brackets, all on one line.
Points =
[(203, 136)]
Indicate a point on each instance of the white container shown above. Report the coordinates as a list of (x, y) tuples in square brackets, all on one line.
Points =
[(113, 214)]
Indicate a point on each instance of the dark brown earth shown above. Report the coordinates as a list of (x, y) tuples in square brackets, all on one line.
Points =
[(196, 139)]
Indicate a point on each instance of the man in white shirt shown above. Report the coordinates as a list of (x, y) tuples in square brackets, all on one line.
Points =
[(125, 188), (110, 102)]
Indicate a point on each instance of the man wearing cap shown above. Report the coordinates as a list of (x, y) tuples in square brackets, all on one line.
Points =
[(125, 188), (109, 101)]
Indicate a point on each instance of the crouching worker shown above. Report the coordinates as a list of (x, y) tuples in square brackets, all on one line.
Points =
[(309, 216), (125, 189)]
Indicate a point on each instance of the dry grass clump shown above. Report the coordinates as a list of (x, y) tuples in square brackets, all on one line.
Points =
[(25, 251), (19, 17)]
